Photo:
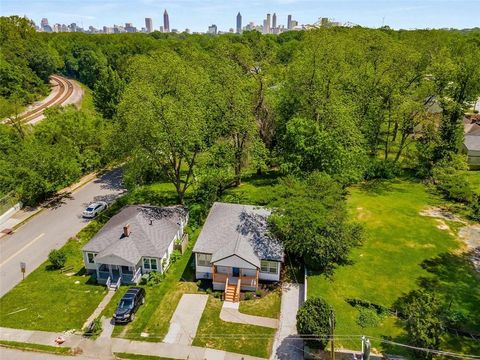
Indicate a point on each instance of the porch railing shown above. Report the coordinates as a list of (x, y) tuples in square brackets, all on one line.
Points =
[(237, 290), (103, 274), (117, 284), (109, 282), (137, 275)]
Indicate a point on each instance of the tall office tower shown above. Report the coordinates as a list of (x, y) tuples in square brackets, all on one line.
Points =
[(212, 29), (44, 22), (239, 23), (267, 30), (149, 25), (289, 22), (274, 22), (166, 22)]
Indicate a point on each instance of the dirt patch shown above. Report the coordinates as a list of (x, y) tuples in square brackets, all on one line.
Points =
[(471, 235), (441, 213)]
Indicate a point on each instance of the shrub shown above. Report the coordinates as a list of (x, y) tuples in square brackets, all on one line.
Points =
[(154, 278), (176, 255), (208, 291), (316, 317), (368, 317), (260, 293), (217, 294), (248, 296), (449, 179), (57, 258), (379, 169)]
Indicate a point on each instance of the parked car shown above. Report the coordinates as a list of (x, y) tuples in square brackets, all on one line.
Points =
[(129, 304), (94, 209)]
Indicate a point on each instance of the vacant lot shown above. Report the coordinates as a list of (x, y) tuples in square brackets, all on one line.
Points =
[(401, 250)]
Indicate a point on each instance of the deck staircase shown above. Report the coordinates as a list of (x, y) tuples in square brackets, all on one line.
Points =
[(230, 291)]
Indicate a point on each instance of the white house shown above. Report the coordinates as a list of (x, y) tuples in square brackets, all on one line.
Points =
[(234, 249), (137, 240), (471, 144)]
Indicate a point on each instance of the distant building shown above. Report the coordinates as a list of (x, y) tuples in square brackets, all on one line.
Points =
[(130, 28), (149, 25), (212, 29), (239, 23), (44, 22), (166, 22), (266, 29), (72, 27), (289, 22), (274, 22)]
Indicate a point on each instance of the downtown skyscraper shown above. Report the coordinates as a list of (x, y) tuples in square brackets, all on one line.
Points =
[(166, 22), (149, 25), (239, 23)]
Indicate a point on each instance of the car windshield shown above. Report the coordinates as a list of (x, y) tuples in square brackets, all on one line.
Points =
[(126, 304), (89, 209)]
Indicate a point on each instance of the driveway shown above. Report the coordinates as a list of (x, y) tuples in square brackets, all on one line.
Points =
[(52, 228), (287, 346), (185, 320)]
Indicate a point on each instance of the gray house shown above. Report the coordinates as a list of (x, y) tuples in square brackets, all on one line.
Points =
[(235, 251), (137, 240)]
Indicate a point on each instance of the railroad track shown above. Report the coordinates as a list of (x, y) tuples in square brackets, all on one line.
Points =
[(65, 91)]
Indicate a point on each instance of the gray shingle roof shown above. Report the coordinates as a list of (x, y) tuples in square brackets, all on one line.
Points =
[(472, 142), (144, 240), (232, 229)]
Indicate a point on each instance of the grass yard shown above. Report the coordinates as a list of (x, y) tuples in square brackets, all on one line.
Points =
[(474, 179), (268, 306), (214, 333), (401, 250), (53, 301), (36, 347)]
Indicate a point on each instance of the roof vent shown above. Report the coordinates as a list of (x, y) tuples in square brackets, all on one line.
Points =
[(151, 221), (126, 230)]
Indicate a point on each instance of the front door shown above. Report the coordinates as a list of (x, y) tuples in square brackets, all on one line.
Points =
[(115, 272), (235, 272)]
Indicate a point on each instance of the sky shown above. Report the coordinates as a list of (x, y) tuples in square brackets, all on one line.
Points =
[(197, 15)]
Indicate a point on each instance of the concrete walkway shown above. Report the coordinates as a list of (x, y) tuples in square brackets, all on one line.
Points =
[(103, 304), (103, 348), (185, 320), (286, 345), (230, 313)]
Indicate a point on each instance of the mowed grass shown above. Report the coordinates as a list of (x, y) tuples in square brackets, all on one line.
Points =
[(215, 333), (36, 347), (401, 248), (474, 179), (53, 301), (268, 306)]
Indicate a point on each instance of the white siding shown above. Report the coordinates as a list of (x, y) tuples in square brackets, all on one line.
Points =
[(268, 276), (235, 261), (88, 266)]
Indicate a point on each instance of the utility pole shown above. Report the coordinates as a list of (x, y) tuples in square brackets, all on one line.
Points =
[(331, 321)]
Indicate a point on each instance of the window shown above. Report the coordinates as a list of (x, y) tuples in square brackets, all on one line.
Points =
[(204, 259), (269, 267), (91, 257), (153, 264), (150, 264)]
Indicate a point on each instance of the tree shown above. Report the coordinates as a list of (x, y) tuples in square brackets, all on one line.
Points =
[(57, 258), (315, 318), (164, 116), (107, 92), (310, 219), (423, 315)]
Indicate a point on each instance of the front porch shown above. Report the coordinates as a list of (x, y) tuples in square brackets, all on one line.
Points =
[(233, 279), (118, 274)]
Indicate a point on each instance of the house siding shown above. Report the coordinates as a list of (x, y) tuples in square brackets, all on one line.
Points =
[(89, 267)]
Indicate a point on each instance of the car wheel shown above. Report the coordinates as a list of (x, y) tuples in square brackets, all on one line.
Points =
[(132, 317)]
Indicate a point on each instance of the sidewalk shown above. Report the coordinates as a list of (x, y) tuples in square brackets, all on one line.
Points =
[(104, 348), (22, 215)]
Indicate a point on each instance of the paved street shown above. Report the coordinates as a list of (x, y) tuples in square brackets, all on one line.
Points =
[(51, 229)]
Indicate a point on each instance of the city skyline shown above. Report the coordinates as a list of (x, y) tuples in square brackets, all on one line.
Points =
[(197, 16)]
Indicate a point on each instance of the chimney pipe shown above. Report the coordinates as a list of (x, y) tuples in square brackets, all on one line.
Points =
[(126, 230), (151, 221)]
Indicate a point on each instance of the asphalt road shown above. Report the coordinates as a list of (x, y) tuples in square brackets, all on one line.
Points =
[(51, 228)]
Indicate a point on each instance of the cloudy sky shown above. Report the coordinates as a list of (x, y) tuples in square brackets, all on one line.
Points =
[(198, 14)]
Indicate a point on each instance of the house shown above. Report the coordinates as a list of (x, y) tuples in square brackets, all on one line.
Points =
[(234, 248), (471, 143), (137, 240)]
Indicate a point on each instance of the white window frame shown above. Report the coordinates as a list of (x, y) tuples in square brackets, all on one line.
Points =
[(269, 267), (93, 257), (147, 264), (204, 259)]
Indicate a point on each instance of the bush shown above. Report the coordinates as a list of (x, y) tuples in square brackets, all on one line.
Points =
[(154, 278), (209, 291), (379, 169), (176, 255), (368, 317), (248, 296), (217, 294), (259, 293), (57, 258), (448, 177), (316, 317)]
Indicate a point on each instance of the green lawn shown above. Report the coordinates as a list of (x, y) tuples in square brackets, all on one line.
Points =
[(474, 179), (268, 306), (127, 356), (36, 347), (214, 333), (401, 249), (53, 301)]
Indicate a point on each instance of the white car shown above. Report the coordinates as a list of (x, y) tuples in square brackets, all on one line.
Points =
[(94, 209)]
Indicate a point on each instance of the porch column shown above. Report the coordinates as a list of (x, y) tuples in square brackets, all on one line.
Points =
[(110, 270), (97, 271)]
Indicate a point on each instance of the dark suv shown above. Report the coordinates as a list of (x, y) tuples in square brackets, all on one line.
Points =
[(129, 304)]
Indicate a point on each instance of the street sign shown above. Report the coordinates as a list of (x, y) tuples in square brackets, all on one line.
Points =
[(23, 267)]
